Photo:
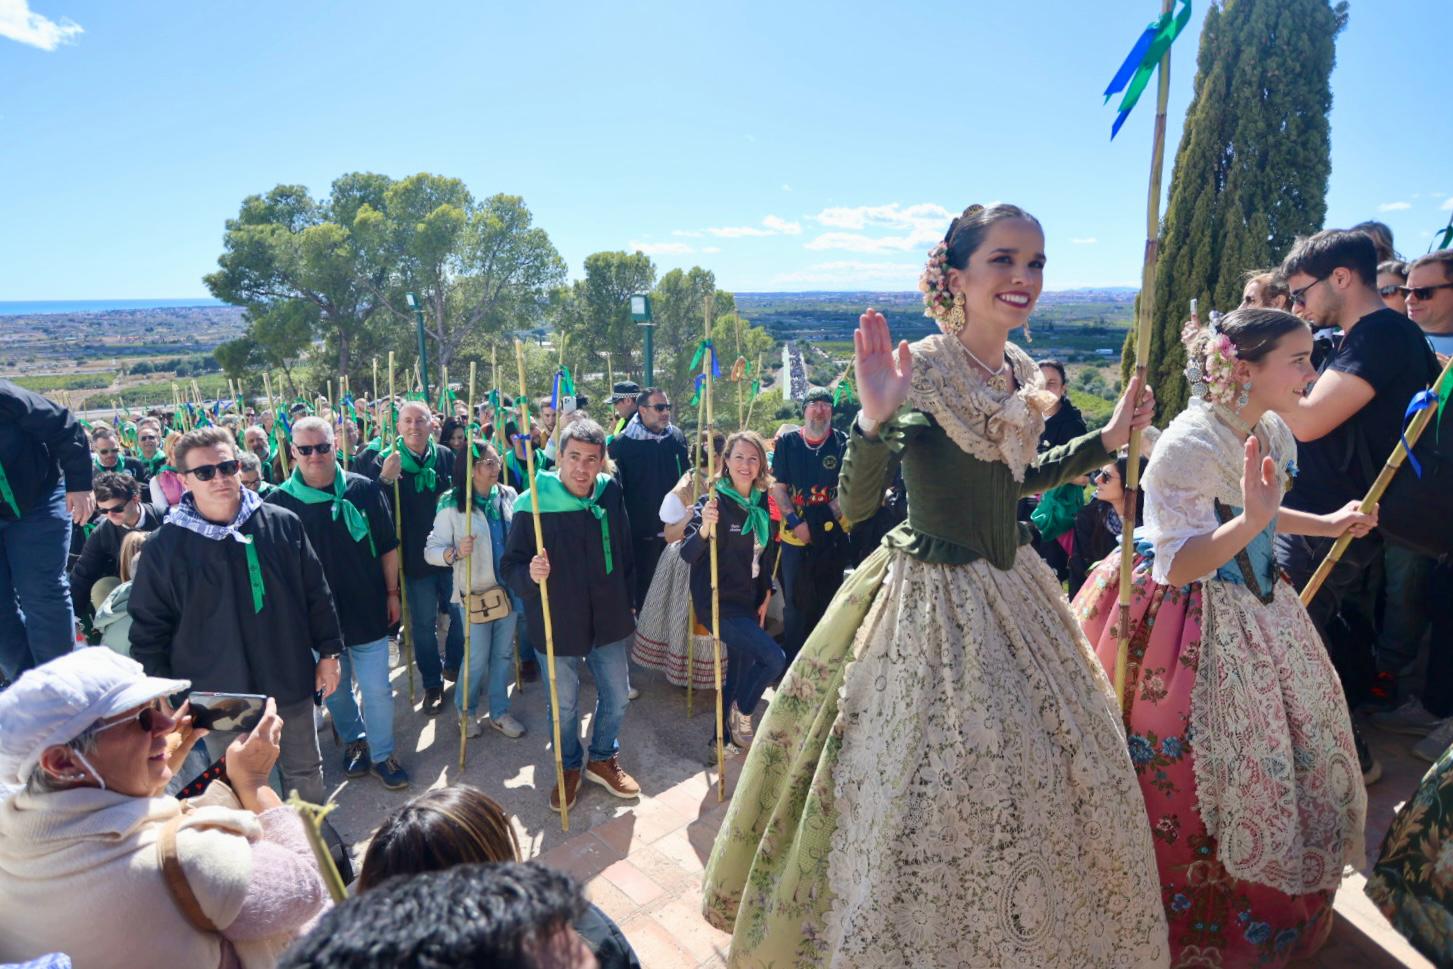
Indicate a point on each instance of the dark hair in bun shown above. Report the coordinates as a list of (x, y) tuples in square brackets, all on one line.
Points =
[(966, 233)]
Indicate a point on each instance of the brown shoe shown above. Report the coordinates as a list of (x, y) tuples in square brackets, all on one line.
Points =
[(609, 775), (572, 788)]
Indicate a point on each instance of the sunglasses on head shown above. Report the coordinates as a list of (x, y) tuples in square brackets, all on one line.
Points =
[(307, 449), (112, 509), (207, 472), (1421, 293), (145, 718)]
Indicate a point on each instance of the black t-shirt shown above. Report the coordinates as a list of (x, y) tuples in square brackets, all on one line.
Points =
[(355, 575), (810, 473), (1387, 350)]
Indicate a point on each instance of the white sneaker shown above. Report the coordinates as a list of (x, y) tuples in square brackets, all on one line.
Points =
[(1411, 718), (1431, 747), (508, 726), (632, 693), (474, 728)]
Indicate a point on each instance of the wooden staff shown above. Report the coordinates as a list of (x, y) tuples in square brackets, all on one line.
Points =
[(343, 419), (706, 361), (753, 402), (610, 374), (1374, 494), (468, 568), (544, 590), (406, 635), (497, 423), (703, 439), (1142, 354), (313, 815), (555, 435)]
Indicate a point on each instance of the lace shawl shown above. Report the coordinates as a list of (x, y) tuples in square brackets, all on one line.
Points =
[(988, 424)]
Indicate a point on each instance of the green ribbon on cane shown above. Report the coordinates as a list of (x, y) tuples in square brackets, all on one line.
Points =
[(1134, 73)]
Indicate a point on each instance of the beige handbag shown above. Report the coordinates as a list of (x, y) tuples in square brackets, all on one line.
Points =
[(488, 606)]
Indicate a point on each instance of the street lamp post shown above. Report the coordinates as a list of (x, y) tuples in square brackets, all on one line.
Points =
[(418, 309), (641, 314)]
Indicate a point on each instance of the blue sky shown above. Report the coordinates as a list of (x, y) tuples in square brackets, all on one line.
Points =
[(782, 145)]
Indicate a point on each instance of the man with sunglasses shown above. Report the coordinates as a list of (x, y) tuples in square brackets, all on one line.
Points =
[(347, 520), (650, 457), (1429, 295), (1346, 425), (109, 457), (119, 503), (149, 453), (231, 596)]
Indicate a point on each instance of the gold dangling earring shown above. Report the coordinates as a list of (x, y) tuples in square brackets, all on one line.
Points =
[(1027, 337), (954, 321)]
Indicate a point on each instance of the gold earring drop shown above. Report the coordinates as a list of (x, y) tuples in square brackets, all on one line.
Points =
[(954, 321)]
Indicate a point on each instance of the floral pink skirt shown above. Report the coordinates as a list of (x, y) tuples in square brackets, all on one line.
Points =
[(1215, 919)]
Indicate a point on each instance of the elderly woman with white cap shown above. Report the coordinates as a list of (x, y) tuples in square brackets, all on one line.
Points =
[(97, 863)]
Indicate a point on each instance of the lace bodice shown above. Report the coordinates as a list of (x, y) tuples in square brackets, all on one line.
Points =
[(1198, 462)]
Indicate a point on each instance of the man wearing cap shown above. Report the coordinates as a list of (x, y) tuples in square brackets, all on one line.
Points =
[(231, 595), (45, 487), (805, 468), (623, 399), (96, 862), (650, 457)]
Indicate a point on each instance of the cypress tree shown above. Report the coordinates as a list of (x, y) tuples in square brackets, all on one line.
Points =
[(1251, 171)]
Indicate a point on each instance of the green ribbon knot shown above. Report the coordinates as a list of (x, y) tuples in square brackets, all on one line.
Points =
[(353, 518), (553, 497)]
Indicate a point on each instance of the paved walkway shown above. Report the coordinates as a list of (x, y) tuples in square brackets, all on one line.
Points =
[(642, 860)]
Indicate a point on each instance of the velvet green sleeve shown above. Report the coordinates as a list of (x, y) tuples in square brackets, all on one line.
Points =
[(1060, 464), (868, 464)]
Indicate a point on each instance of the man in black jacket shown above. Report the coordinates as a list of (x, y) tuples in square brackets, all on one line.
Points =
[(587, 562), (118, 500), (423, 471), (650, 457), (107, 448), (231, 596), (38, 441)]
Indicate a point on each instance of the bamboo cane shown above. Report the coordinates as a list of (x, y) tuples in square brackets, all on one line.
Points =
[(753, 402), (706, 362), (313, 815), (1142, 353), (703, 439), (468, 569), (544, 590), (610, 373), (344, 421), (497, 423), (406, 635), (1379, 485), (555, 431)]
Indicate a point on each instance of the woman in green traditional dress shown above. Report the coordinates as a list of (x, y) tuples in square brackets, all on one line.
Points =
[(941, 779)]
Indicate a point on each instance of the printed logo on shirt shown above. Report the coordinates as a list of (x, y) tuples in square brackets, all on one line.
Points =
[(829, 461)]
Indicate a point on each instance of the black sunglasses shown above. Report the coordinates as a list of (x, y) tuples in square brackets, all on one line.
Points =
[(1299, 296), (149, 437), (1386, 291), (307, 449), (145, 718), (659, 408), (1421, 293), (207, 472), (102, 450), (1099, 475), (112, 509)]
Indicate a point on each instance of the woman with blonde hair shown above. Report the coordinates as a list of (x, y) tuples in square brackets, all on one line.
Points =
[(746, 552)]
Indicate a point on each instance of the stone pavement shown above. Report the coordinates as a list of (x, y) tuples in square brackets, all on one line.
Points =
[(642, 860)]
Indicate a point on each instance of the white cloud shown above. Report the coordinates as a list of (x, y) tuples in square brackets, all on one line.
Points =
[(19, 23), (686, 233), (661, 248), (786, 188), (711, 248), (772, 225), (1087, 241), (1448, 204), (853, 273), (913, 227), (1394, 206)]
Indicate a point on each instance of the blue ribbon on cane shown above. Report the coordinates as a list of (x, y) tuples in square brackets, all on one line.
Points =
[(1422, 400)]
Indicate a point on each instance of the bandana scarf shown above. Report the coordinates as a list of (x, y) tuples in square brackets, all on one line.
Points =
[(554, 496), (353, 518), (425, 477), (758, 523), (487, 504), (636, 431), (185, 514)]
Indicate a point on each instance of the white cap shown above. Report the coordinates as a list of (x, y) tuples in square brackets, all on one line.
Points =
[(55, 703)]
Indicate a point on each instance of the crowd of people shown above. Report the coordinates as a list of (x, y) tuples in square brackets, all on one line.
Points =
[(943, 767)]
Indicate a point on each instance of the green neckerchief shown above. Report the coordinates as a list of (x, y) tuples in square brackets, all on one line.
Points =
[(153, 464), (512, 461), (758, 523), (485, 503), (6, 494), (100, 468), (425, 477), (353, 518), (554, 496)]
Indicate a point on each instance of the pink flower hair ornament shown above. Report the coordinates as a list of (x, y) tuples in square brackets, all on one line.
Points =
[(1210, 363), (938, 302)]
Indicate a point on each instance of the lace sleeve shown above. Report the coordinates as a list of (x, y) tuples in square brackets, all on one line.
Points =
[(1179, 498)]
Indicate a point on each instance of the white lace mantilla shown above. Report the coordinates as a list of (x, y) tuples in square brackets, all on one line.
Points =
[(1277, 779), (1197, 462), (989, 424), (988, 813)]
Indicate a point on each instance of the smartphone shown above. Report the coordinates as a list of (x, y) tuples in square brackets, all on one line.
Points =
[(227, 712)]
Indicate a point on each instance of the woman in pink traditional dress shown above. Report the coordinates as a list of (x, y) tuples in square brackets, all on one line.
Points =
[(1236, 722)]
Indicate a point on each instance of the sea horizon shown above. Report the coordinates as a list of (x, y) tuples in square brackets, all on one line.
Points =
[(39, 307)]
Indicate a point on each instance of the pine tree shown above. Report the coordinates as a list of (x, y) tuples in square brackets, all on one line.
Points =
[(1251, 171)]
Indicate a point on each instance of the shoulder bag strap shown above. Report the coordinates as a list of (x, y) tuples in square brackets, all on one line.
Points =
[(176, 879)]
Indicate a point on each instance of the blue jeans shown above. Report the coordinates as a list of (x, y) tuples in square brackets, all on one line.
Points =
[(526, 650), (1405, 616), (754, 660), (609, 665), (491, 654), (794, 620), (428, 596), (367, 665), (36, 620)]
